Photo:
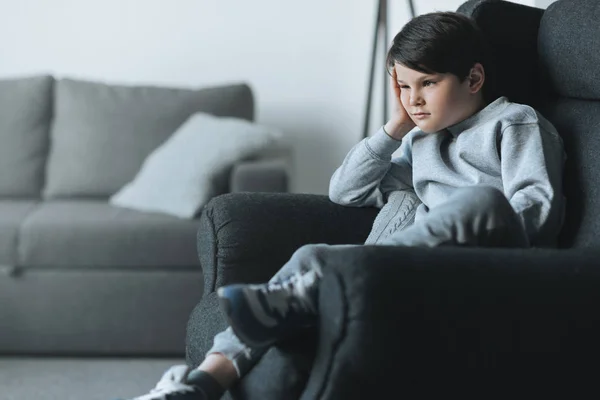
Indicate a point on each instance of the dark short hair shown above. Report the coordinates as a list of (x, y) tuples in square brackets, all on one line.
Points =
[(441, 42)]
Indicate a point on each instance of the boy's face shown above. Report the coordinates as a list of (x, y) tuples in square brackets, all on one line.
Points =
[(442, 98)]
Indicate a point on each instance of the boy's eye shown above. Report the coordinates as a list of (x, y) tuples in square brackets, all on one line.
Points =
[(425, 84)]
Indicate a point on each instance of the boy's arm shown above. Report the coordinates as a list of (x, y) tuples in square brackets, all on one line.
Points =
[(532, 160), (368, 172)]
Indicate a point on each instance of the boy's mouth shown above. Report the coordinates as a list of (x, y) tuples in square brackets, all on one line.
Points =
[(421, 115)]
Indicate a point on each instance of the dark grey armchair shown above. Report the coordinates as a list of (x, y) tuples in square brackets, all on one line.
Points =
[(400, 322)]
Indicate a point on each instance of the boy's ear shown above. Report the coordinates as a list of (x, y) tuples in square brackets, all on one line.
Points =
[(476, 78)]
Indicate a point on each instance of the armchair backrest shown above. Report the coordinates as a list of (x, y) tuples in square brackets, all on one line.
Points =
[(550, 59)]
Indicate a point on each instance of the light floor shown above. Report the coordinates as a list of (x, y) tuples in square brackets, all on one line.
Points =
[(78, 378)]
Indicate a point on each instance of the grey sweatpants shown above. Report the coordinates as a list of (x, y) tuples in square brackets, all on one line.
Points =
[(472, 216)]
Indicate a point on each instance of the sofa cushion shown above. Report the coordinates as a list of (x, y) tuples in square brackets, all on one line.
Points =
[(12, 215), (567, 46), (91, 233), (102, 133), (25, 113)]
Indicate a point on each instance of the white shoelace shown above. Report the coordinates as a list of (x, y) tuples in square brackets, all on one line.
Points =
[(299, 284), (170, 383)]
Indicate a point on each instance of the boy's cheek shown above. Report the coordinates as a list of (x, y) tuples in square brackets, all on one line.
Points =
[(405, 101)]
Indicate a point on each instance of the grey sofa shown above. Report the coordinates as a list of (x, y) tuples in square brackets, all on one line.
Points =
[(77, 275), (421, 323)]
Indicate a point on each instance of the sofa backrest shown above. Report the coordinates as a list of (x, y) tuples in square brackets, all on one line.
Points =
[(25, 115), (73, 138), (101, 133), (550, 59)]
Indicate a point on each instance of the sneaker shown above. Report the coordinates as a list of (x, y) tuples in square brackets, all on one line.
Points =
[(261, 315), (183, 383)]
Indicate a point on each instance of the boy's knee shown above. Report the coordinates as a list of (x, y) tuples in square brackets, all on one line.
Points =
[(309, 251)]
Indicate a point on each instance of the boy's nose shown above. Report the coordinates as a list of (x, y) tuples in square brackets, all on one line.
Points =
[(416, 100)]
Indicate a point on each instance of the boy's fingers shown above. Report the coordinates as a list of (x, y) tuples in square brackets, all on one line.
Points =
[(394, 78)]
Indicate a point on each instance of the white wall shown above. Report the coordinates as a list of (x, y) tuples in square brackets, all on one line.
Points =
[(543, 3), (307, 61)]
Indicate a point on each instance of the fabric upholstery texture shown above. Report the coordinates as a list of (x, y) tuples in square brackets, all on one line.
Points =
[(102, 133), (25, 113), (514, 70), (207, 321), (12, 215), (471, 320), (91, 233), (567, 46), (288, 366), (578, 122), (233, 240), (569, 59)]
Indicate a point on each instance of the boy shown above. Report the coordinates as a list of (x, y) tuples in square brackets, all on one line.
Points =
[(478, 171)]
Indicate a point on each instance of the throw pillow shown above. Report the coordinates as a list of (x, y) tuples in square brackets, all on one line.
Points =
[(181, 175)]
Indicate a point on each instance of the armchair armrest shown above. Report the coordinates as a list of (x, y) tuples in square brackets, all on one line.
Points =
[(247, 237), (461, 319), (269, 172)]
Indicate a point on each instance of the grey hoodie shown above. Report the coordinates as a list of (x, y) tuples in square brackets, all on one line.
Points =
[(506, 145)]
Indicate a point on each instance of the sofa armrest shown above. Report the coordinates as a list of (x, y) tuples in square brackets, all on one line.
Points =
[(460, 319), (247, 237), (268, 172), (265, 175)]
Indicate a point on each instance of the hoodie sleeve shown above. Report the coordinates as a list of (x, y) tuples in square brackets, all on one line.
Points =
[(368, 173), (532, 160)]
